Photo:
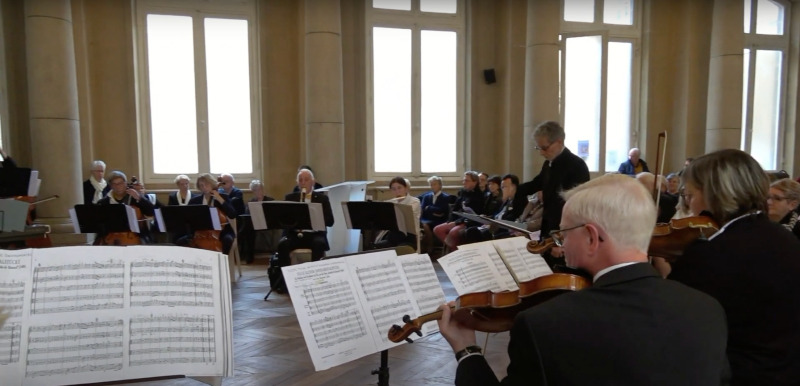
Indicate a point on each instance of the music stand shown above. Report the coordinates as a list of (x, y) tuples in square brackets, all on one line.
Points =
[(186, 219), (102, 219), (370, 216), (14, 181), (286, 215)]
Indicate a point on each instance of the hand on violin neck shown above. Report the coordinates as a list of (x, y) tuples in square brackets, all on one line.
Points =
[(454, 332)]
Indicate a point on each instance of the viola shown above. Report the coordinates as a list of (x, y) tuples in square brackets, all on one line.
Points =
[(495, 311), (539, 247), (669, 240)]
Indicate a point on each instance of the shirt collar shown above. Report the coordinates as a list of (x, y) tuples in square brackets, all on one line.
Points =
[(611, 268), (719, 232)]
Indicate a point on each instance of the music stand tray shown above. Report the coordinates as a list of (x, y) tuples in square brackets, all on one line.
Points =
[(371, 215), (186, 219), (102, 219)]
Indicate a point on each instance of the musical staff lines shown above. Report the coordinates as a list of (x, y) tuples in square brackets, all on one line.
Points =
[(10, 338), (172, 339), (386, 314), (423, 282), (380, 281), (328, 297), (12, 297), (78, 287), (341, 327), (171, 283), (71, 348)]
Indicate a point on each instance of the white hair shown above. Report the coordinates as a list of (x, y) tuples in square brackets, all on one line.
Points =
[(255, 183), (434, 178), (98, 162), (648, 179), (228, 175), (301, 171), (619, 205), (182, 177)]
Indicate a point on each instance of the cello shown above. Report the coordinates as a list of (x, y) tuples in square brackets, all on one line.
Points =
[(210, 239)]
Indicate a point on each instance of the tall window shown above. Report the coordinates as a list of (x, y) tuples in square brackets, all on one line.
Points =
[(198, 87), (765, 61), (599, 79), (415, 87)]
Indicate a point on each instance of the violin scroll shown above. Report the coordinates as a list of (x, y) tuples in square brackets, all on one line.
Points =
[(539, 247)]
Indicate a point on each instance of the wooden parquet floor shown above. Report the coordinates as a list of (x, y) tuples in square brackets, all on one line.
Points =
[(269, 348)]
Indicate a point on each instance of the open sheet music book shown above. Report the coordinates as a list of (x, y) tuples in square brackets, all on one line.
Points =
[(480, 267), (98, 314), (346, 306)]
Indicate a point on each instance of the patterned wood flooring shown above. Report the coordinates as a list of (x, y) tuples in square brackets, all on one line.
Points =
[(269, 348)]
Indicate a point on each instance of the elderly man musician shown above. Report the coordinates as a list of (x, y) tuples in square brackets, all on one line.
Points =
[(293, 239), (632, 327), (234, 194)]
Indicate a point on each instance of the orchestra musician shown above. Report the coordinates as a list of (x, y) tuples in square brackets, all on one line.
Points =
[(399, 187), (210, 196), (96, 187), (183, 194), (122, 193), (631, 327), (293, 239), (235, 194), (750, 266)]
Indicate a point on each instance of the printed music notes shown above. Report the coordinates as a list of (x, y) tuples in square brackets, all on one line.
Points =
[(96, 314), (346, 306)]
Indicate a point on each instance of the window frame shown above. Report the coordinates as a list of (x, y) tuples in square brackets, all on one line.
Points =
[(610, 33), (755, 42), (198, 10), (417, 21)]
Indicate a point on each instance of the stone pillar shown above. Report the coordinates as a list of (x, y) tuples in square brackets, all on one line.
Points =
[(324, 107), (53, 107), (724, 112), (541, 75)]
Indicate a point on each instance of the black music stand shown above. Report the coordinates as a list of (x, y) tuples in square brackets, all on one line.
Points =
[(14, 181), (370, 216), (185, 219), (102, 219)]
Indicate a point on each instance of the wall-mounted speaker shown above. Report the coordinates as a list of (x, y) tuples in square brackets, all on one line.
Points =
[(488, 76)]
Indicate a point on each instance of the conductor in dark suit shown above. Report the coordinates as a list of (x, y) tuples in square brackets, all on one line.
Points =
[(632, 327), (293, 239)]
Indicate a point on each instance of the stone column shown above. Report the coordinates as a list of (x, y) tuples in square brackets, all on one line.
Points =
[(541, 75), (724, 112), (53, 107), (324, 107)]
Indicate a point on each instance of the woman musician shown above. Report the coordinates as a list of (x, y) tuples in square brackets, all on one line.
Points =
[(210, 196), (122, 193)]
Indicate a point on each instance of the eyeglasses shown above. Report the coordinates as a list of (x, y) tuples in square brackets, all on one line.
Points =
[(558, 234), (542, 148), (776, 198)]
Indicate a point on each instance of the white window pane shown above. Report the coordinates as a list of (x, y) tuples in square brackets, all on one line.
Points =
[(401, 5), (228, 77), (618, 12), (769, 20), (173, 118), (747, 14), (618, 104), (438, 104), (582, 92), (438, 6), (579, 10), (746, 86), (392, 99), (766, 98)]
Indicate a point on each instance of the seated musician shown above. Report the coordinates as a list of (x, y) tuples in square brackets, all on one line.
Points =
[(435, 206), (210, 196), (235, 194), (399, 187), (7, 161), (122, 193), (667, 203), (96, 187), (514, 202), (293, 239), (632, 327), (247, 234), (317, 185), (471, 196), (750, 266), (183, 194)]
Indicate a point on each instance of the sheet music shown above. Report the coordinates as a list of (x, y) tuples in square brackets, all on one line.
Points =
[(471, 270), (317, 216), (73, 218), (95, 314), (425, 286), (507, 278), (527, 265), (133, 221), (473, 217), (33, 183), (257, 215), (160, 220), (346, 306), (214, 213), (405, 218)]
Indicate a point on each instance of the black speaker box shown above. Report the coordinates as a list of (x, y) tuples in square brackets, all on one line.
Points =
[(488, 76)]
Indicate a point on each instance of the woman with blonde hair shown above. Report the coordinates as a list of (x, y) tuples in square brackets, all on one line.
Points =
[(782, 203)]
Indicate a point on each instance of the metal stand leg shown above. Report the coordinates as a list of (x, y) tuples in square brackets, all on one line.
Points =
[(383, 371), (280, 282)]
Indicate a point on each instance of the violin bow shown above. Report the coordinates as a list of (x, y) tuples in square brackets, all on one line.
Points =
[(659, 165)]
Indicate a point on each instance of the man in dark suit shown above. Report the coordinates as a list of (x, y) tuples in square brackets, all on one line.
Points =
[(632, 327), (183, 194), (435, 206), (96, 187), (294, 238), (561, 171), (234, 193)]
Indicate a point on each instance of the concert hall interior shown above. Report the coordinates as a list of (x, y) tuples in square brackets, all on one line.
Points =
[(371, 90)]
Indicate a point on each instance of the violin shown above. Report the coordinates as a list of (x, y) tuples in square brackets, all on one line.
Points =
[(539, 247), (495, 311), (669, 240)]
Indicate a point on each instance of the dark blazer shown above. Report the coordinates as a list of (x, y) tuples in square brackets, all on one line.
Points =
[(470, 198), (434, 213), (226, 207), (144, 205), (8, 163), (327, 213), (173, 197), (237, 199), (629, 168), (752, 269), (566, 172), (88, 192), (630, 328)]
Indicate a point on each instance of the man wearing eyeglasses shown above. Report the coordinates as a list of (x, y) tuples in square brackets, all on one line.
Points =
[(561, 171), (632, 327)]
